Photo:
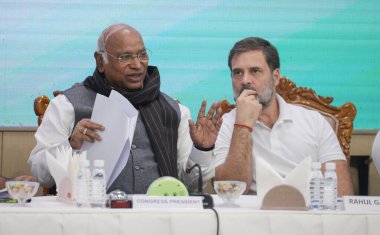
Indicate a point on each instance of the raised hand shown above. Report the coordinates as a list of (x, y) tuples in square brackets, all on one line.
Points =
[(85, 130), (205, 131)]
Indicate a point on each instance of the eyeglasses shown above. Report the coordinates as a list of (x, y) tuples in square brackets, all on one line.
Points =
[(142, 56)]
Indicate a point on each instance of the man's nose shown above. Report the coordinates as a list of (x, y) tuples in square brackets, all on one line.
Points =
[(135, 63), (247, 79)]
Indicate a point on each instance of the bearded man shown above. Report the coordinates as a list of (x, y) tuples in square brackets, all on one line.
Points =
[(264, 125)]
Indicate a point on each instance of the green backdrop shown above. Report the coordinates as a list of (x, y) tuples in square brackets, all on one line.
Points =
[(330, 46)]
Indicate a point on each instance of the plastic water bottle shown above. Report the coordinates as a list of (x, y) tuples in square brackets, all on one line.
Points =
[(98, 185), (316, 187), (83, 184), (330, 183)]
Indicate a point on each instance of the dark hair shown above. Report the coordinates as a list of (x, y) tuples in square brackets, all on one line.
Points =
[(253, 44)]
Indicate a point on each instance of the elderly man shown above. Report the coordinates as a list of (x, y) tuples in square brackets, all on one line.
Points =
[(263, 124), (164, 136)]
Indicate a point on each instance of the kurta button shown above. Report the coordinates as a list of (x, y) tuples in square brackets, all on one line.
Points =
[(137, 168), (133, 146)]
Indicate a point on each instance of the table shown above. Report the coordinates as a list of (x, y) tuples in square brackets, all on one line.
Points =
[(45, 215)]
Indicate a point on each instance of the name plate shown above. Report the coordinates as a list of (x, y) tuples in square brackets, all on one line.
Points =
[(143, 201), (361, 203)]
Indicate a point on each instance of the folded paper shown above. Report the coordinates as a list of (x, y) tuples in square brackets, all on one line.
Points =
[(63, 164), (289, 193)]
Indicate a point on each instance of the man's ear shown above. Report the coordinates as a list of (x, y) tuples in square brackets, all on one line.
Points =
[(99, 61), (276, 76)]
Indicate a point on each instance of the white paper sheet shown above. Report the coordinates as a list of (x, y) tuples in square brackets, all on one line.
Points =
[(125, 104), (132, 114), (267, 178), (119, 118)]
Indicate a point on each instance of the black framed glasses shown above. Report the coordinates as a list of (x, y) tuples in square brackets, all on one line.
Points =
[(125, 58)]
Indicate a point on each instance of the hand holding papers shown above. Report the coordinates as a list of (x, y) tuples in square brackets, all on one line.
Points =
[(119, 117), (276, 193)]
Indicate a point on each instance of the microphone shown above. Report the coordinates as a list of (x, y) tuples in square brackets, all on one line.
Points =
[(200, 181), (206, 198)]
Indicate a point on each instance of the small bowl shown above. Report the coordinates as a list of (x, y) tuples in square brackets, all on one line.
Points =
[(229, 191), (22, 190)]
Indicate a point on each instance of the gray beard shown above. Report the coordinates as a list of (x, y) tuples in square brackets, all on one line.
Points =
[(264, 97)]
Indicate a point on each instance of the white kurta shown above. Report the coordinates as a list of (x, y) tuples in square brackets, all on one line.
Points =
[(58, 124)]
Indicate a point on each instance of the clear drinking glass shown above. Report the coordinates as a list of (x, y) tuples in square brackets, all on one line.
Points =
[(22, 190), (229, 191)]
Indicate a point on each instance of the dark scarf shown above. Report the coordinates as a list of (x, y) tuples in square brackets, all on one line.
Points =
[(160, 119)]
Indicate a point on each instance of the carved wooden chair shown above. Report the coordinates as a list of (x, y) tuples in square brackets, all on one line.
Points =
[(340, 118), (40, 105)]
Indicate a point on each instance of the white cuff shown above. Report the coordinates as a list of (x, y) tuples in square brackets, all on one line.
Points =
[(203, 158)]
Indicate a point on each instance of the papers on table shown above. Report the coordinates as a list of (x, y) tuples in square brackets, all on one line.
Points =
[(119, 118)]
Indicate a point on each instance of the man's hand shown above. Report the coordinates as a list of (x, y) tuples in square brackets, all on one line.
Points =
[(248, 108), (25, 178), (205, 131), (18, 178), (85, 130)]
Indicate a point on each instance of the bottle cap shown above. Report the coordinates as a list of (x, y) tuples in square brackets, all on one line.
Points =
[(84, 163), (316, 165), (99, 163), (330, 166)]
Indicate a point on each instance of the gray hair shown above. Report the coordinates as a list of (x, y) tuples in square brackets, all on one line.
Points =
[(103, 37)]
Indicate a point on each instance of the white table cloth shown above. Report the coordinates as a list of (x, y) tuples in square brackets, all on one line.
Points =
[(44, 215)]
